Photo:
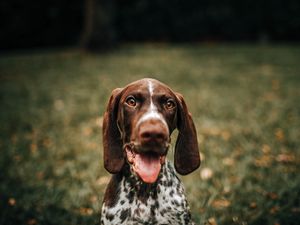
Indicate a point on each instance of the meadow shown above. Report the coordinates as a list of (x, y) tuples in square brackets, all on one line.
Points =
[(245, 104)]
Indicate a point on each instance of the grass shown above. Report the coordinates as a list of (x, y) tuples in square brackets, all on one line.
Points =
[(245, 104)]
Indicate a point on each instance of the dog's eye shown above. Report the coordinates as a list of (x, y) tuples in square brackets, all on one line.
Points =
[(131, 101), (170, 104)]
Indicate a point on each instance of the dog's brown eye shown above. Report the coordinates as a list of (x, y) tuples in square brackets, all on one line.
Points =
[(131, 101), (170, 104)]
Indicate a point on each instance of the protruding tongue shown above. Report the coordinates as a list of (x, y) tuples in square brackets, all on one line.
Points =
[(147, 166)]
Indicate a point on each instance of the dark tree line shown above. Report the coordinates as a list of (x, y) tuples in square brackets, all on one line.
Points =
[(103, 23)]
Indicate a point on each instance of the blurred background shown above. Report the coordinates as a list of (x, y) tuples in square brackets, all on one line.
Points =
[(105, 23), (235, 62)]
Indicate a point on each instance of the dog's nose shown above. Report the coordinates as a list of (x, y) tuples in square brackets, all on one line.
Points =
[(152, 135), (153, 132)]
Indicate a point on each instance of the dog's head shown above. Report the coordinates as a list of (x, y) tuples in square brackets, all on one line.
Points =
[(137, 125)]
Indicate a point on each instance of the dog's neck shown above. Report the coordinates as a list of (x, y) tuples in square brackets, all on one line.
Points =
[(141, 189), (161, 201)]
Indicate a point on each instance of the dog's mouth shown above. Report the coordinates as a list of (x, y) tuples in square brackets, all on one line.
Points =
[(146, 165)]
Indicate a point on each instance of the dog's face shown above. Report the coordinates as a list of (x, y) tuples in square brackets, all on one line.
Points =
[(137, 127), (146, 118)]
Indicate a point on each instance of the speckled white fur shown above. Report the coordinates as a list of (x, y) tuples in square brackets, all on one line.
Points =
[(166, 210)]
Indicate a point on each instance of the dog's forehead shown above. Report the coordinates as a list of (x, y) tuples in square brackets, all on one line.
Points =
[(147, 85)]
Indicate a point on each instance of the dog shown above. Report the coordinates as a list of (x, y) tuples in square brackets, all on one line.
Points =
[(137, 125)]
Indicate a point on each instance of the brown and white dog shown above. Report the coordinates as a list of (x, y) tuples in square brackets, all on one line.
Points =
[(137, 125)]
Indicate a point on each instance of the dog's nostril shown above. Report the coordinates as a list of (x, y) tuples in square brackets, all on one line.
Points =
[(160, 136), (146, 135)]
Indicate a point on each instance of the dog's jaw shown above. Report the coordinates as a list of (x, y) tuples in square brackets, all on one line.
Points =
[(146, 166)]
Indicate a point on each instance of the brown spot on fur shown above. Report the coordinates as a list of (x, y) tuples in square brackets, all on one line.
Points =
[(112, 192), (126, 213)]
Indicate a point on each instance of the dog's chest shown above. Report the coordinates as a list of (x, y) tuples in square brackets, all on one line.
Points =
[(162, 203)]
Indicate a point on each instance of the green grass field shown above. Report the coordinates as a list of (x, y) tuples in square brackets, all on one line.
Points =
[(245, 104)]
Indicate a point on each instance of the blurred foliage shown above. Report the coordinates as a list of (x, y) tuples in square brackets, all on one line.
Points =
[(54, 23), (35, 23), (209, 20), (244, 101)]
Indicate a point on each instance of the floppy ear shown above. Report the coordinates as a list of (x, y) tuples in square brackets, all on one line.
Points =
[(112, 142), (187, 158)]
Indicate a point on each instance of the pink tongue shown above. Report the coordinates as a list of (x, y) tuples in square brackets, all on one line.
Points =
[(147, 167)]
